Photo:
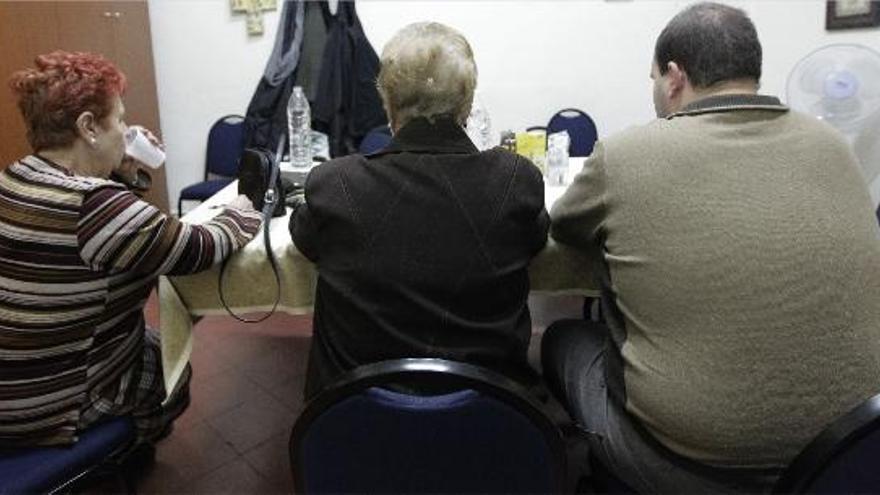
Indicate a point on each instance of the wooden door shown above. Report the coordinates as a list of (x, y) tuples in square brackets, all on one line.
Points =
[(23, 35), (119, 30), (133, 53)]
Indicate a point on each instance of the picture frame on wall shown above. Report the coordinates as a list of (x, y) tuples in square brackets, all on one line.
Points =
[(850, 14), (238, 6)]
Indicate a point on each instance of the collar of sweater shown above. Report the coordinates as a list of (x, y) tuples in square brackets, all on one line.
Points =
[(729, 103)]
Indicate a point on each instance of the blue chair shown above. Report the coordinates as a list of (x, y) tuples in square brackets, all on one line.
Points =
[(478, 433), (225, 145), (376, 140), (841, 459), (581, 130), (53, 469)]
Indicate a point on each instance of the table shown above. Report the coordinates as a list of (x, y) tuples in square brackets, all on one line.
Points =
[(249, 285)]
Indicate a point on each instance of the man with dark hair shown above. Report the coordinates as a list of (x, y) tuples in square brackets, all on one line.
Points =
[(740, 268), (713, 42)]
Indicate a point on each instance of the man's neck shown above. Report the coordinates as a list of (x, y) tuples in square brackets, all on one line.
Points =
[(733, 87)]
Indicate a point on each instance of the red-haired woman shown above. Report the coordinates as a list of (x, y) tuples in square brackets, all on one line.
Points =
[(79, 255)]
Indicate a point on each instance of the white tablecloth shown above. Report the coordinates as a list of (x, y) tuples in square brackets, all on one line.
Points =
[(249, 285)]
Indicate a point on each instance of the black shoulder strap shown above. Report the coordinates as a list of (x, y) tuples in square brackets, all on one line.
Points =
[(271, 197)]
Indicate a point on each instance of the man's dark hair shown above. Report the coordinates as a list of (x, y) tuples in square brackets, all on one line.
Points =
[(712, 43)]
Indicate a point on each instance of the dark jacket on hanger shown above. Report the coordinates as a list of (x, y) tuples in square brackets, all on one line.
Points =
[(332, 59), (266, 116), (347, 104), (422, 251)]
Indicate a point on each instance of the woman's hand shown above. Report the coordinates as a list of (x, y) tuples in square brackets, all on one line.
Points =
[(126, 172), (240, 202), (150, 136), (138, 150)]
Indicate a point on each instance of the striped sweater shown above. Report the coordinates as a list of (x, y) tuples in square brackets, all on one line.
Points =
[(78, 258)]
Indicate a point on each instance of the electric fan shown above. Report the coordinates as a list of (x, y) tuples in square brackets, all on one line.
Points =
[(840, 84)]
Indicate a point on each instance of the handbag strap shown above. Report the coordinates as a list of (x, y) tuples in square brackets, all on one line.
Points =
[(270, 197)]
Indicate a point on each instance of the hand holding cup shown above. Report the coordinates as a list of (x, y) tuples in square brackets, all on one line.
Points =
[(144, 147)]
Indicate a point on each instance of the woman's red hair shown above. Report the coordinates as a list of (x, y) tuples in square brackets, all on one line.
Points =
[(61, 87)]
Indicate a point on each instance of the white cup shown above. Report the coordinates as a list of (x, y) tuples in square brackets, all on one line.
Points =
[(141, 149)]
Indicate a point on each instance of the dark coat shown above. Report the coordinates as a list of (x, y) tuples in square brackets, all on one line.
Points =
[(347, 104), (344, 101), (422, 251)]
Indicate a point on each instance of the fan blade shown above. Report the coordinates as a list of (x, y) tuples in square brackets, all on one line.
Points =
[(867, 147)]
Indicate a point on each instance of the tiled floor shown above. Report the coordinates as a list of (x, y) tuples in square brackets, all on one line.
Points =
[(246, 394)]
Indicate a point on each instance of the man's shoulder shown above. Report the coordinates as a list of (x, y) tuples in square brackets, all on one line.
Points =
[(819, 127), (661, 131), (636, 134)]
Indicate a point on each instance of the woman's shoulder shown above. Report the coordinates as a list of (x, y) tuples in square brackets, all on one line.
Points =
[(330, 169), (521, 164), (38, 171)]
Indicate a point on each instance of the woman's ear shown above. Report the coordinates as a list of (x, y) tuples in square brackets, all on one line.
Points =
[(392, 122), (87, 127)]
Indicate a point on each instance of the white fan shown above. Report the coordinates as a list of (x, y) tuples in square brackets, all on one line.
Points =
[(840, 84)]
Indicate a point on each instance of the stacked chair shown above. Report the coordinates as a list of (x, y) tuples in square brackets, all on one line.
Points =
[(225, 146), (581, 129), (377, 139)]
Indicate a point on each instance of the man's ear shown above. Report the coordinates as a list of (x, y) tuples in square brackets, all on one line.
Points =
[(678, 80), (87, 127)]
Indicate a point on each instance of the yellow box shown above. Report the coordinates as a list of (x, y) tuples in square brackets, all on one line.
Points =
[(533, 145)]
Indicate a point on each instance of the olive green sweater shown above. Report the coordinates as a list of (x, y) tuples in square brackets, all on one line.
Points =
[(741, 250)]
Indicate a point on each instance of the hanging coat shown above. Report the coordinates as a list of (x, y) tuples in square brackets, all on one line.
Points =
[(330, 56), (266, 117), (347, 104)]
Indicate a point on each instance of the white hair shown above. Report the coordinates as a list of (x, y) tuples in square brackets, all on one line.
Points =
[(428, 70)]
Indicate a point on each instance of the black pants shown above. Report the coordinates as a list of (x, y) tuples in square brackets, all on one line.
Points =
[(573, 356)]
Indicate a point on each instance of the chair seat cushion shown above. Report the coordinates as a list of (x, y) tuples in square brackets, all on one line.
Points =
[(204, 190), (40, 469)]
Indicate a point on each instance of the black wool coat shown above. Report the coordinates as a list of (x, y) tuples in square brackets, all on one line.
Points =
[(422, 251)]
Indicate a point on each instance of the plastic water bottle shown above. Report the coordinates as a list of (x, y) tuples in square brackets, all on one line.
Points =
[(557, 158), (479, 125), (299, 127)]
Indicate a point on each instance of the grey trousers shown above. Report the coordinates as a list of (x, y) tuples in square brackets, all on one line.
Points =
[(573, 357)]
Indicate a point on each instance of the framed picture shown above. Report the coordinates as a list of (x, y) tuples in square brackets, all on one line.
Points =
[(239, 6), (254, 21), (848, 14)]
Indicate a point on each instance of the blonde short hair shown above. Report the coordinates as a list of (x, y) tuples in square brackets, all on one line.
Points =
[(428, 70)]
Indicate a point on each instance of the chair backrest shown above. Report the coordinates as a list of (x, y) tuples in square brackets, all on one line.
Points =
[(225, 144), (841, 459), (51, 469), (376, 140), (485, 434), (581, 130)]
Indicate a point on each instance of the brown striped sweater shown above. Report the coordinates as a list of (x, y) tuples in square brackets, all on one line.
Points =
[(78, 258)]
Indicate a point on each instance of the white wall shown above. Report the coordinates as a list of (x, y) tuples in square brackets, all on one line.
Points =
[(206, 67), (534, 58)]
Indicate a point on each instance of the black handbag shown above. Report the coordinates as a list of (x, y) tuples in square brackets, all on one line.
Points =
[(259, 168), (260, 180)]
